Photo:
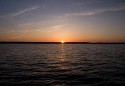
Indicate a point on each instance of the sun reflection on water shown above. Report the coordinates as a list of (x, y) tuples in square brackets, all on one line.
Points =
[(62, 55)]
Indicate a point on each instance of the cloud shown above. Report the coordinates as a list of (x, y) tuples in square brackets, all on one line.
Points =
[(47, 30), (23, 11), (81, 14), (14, 14), (55, 28), (97, 11)]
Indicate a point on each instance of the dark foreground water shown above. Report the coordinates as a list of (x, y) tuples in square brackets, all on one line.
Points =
[(62, 64)]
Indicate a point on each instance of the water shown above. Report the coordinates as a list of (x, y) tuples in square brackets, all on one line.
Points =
[(62, 64)]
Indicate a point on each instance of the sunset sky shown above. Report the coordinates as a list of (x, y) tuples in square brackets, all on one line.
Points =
[(57, 20)]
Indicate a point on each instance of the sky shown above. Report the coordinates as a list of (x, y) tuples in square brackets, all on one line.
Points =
[(57, 20)]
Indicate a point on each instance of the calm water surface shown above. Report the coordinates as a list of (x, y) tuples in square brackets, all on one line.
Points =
[(62, 64)]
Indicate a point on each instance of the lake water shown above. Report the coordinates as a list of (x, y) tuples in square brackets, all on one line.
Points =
[(62, 64)]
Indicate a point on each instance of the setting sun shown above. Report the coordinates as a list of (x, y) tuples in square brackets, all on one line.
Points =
[(62, 41)]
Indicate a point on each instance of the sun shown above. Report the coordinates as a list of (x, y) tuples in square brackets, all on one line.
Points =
[(62, 41)]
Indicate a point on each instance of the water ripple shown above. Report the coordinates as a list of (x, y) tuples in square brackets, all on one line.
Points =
[(62, 64)]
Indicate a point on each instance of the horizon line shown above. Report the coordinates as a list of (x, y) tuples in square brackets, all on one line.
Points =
[(3, 42)]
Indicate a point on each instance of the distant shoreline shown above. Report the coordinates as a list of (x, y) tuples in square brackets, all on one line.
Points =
[(61, 43)]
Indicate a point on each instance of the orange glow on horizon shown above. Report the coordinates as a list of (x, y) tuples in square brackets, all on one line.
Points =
[(62, 41)]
